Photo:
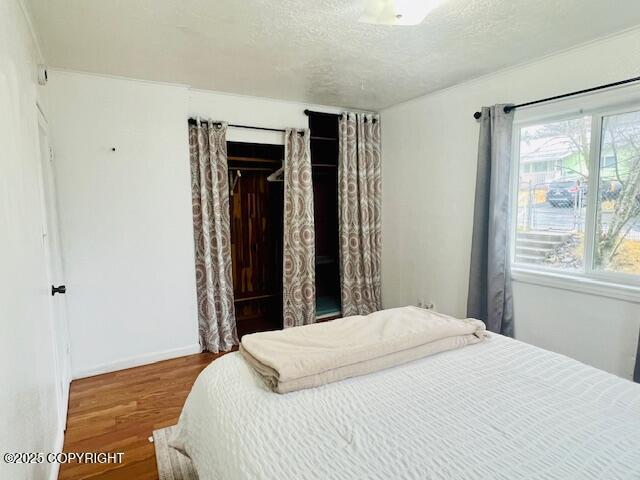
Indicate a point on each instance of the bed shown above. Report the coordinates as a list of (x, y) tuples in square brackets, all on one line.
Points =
[(501, 409)]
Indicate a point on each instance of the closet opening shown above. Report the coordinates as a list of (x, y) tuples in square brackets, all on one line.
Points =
[(324, 166), (256, 220)]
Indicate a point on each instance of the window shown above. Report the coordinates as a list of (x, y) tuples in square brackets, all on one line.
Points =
[(578, 196), (617, 225), (609, 161)]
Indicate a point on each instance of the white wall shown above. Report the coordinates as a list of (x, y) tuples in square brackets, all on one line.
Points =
[(125, 220), (429, 167), (29, 420), (126, 215)]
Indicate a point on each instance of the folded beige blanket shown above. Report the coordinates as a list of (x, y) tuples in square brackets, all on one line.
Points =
[(312, 355)]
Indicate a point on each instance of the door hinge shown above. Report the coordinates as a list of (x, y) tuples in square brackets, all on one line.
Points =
[(50, 154)]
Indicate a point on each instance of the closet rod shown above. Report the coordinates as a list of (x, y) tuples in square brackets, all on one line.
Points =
[(508, 108), (251, 169), (194, 121)]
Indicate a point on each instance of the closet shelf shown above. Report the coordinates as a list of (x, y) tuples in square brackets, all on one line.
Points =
[(325, 259), (253, 160), (257, 297), (327, 305), (325, 139)]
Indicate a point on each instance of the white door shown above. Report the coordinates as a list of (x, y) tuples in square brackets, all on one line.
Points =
[(55, 272)]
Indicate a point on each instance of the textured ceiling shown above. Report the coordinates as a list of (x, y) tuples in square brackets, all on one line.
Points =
[(314, 50)]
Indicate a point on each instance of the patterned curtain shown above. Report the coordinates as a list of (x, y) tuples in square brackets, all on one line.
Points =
[(210, 201), (299, 269), (359, 199)]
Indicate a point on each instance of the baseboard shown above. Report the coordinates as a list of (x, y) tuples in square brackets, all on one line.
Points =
[(58, 445), (136, 361)]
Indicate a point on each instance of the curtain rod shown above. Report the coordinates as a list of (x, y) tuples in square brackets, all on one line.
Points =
[(311, 112), (308, 112), (508, 108), (251, 127)]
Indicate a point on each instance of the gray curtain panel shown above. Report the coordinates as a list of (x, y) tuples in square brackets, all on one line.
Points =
[(636, 372), (359, 200), (210, 201), (490, 296), (299, 252)]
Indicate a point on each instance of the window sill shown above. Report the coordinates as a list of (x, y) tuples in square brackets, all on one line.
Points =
[(577, 283)]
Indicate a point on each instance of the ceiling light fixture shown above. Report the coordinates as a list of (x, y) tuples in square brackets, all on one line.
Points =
[(398, 12)]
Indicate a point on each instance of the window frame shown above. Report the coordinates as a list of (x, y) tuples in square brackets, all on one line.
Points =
[(619, 285)]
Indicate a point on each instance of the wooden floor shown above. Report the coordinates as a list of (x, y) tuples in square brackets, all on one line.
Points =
[(117, 412)]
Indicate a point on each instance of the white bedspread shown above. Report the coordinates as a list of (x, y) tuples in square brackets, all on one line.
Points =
[(497, 410)]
